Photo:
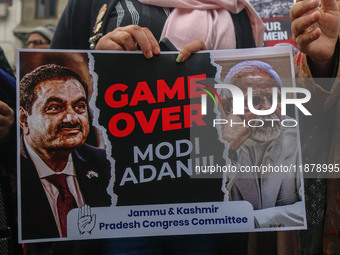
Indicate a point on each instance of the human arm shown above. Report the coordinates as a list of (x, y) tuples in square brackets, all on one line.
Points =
[(283, 203), (7, 116), (284, 215), (79, 14), (235, 135), (289, 210), (315, 32), (280, 216), (8, 136), (127, 38), (6, 121)]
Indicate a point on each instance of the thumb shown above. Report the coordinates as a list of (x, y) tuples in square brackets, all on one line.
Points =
[(93, 218), (329, 5)]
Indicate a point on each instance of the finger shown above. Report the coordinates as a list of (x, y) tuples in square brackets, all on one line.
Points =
[(116, 40), (304, 40), (154, 44), (140, 36), (4, 121), (87, 210), (83, 211), (93, 219), (106, 43), (302, 7), (237, 143), (190, 48), (125, 38), (300, 25), (5, 109), (329, 5)]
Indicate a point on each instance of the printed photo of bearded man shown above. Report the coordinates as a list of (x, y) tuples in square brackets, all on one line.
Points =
[(262, 141)]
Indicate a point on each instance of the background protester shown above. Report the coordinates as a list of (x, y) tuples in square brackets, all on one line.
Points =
[(8, 225), (41, 37), (120, 24), (316, 33)]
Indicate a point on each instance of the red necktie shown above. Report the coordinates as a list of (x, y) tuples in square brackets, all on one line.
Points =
[(65, 200)]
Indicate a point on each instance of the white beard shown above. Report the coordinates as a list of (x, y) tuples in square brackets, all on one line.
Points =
[(266, 133)]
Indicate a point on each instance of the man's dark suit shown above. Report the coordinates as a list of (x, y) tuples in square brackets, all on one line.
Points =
[(37, 219)]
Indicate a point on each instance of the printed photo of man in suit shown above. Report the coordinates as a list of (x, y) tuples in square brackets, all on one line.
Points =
[(262, 141), (59, 171)]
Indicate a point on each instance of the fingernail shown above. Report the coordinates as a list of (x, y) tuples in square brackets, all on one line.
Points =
[(148, 54), (156, 50), (313, 2), (179, 58)]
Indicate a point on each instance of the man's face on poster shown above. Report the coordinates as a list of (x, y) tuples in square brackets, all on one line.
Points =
[(59, 116), (262, 84)]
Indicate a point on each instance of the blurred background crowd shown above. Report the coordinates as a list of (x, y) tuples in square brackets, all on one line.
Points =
[(28, 24)]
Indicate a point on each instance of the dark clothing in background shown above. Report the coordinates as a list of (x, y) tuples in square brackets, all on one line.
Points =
[(4, 65), (8, 214), (83, 14)]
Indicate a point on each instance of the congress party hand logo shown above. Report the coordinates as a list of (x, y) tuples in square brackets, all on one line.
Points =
[(86, 221)]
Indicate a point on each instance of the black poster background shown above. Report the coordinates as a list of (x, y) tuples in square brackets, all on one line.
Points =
[(130, 69)]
